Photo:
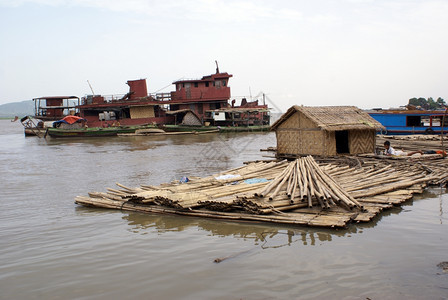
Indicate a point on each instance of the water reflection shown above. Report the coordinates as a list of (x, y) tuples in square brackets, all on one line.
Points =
[(143, 140), (262, 234), (265, 235)]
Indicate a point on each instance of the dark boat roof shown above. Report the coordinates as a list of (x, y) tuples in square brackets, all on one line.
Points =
[(206, 78), (56, 97)]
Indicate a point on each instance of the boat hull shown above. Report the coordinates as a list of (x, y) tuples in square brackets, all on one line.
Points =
[(407, 122), (92, 132), (177, 128)]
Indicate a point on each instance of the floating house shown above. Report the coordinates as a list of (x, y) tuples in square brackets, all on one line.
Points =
[(326, 131), (49, 108)]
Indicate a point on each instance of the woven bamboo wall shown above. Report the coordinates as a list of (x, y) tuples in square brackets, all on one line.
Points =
[(302, 142), (291, 122), (305, 122), (191, 119), (288, 136), (362, 141), (298, 135), (287, 141), (330, 139), (139, 112)]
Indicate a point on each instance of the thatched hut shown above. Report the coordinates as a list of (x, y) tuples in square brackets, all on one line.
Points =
[(325, 130)]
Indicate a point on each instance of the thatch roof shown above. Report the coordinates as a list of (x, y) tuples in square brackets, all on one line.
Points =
[(333, 118)]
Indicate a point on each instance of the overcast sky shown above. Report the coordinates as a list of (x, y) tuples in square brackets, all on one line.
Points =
[(325, 52)]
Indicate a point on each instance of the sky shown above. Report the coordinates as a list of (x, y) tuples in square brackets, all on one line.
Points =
[(365, 53)]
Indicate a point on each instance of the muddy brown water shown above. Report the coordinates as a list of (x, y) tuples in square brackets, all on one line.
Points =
[(54, 249)]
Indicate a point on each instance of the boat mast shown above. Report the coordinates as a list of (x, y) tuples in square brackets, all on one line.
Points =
[(93, 93)]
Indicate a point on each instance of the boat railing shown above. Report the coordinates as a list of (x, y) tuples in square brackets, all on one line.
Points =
[(161, 96), (120, 97), (113, 98)]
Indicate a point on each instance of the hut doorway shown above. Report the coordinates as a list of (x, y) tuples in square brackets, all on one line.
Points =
[(342, 142)]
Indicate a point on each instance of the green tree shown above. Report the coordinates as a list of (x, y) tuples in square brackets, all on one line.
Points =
[(441, 102), (418, 102), (429, 104), (432, 104)]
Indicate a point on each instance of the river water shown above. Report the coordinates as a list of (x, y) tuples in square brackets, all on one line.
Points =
[(54, 249)]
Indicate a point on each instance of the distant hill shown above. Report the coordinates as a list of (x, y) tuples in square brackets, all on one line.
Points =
[(20, 109)]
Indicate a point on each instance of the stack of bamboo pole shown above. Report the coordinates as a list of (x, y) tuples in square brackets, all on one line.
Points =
[(411, 143), (302, 181), (214, 192), (297, 192)]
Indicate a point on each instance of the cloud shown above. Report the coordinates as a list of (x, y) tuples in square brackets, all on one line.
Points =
[(203, 10)]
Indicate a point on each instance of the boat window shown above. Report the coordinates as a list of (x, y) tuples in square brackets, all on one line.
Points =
[(445, 122), (217, 84), (414, 121), (195, 84), (426, 121), (436, 121), (224, 83), (206, 84)]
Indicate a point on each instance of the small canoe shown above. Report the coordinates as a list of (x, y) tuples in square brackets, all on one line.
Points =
[(161, 132)]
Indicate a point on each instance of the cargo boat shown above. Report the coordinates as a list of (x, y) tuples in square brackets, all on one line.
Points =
[(194, 103), (400, 122), (46, 110)]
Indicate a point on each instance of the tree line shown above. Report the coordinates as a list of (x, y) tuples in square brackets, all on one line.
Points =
[(429, 104)]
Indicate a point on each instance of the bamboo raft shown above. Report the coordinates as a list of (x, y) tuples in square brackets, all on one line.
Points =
[(414, 142), (300, 192)]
